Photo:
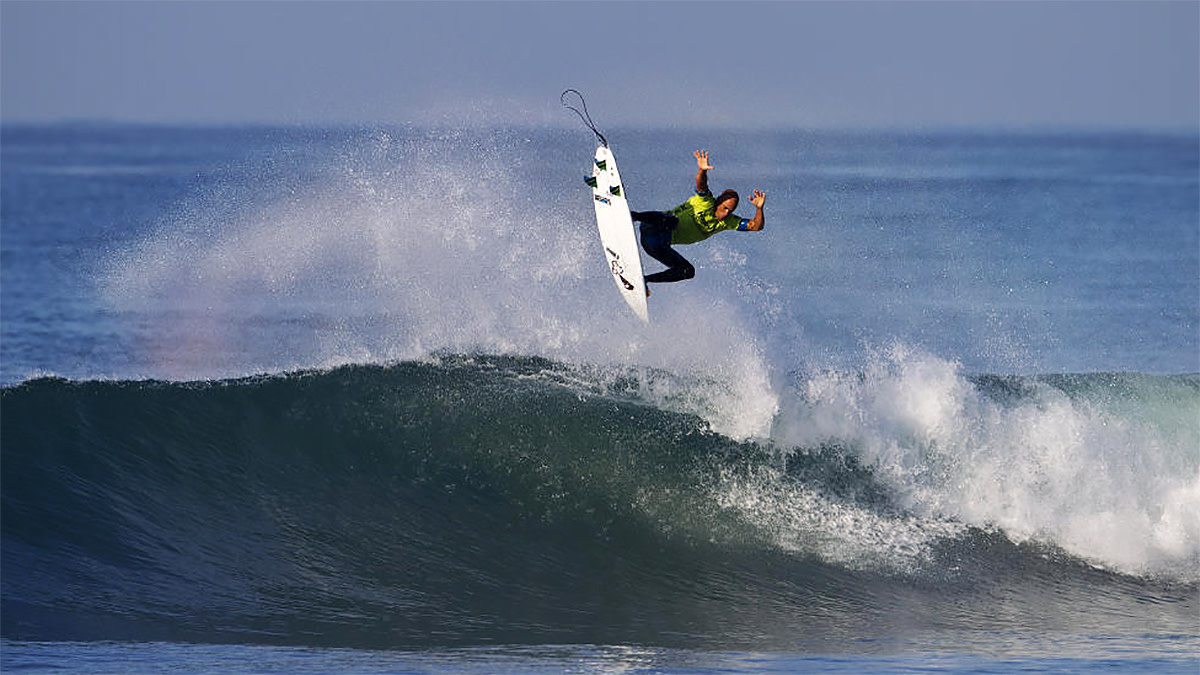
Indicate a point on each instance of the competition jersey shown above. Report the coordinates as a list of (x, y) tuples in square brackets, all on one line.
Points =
[(698, 221)]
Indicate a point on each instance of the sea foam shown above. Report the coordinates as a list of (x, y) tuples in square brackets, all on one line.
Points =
[(1071, 466)]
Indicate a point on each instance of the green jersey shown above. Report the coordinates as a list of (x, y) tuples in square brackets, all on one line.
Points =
[(698, 220)]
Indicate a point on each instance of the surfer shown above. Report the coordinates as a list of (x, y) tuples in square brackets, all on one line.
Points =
[(697, 219)]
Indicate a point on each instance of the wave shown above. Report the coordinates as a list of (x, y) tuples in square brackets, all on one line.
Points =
[(503, 499), (1105, 465)]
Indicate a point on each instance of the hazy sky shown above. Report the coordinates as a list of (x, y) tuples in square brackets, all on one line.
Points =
[(673, 63)]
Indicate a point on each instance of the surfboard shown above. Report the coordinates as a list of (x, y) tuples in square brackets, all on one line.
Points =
[(617, 235)]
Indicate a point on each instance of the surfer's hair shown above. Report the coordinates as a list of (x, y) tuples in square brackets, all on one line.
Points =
[(728, 194)]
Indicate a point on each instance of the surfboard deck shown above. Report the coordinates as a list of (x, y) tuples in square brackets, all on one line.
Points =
[(617, 235)]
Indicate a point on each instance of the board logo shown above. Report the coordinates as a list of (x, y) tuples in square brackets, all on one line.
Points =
[(603, 200), (618, 270)]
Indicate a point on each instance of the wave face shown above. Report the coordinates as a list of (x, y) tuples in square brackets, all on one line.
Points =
[(487, 499)]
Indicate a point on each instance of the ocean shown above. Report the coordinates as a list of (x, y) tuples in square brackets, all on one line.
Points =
[(365, 399)]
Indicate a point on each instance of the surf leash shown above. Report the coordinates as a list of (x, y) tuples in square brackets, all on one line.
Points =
[(587, 119)]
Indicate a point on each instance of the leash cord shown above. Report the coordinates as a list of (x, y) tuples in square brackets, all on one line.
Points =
[(587, 118)]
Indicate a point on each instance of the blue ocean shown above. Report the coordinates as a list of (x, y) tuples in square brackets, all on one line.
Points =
[(365, 399)]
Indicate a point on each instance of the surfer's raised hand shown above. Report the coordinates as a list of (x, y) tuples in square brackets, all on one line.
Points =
[(703, 167), (759, 220)]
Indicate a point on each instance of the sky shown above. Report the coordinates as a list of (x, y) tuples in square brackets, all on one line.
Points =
[(860, 64)]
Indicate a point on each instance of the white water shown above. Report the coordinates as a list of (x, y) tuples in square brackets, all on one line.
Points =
[(1120, 490)]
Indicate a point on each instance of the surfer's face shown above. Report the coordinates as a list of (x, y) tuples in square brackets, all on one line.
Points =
[(726, 207)]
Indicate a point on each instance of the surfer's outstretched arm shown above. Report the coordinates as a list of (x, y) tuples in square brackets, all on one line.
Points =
[(758, 221), (702, 169)]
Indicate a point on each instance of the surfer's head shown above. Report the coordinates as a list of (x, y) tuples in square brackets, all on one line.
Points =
[(726, 203)]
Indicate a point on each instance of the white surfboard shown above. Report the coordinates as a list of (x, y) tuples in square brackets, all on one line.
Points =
[(616, 232)]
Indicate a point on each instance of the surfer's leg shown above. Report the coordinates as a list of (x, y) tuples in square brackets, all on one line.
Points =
[(656, 219), (679, 269), (657, 243)]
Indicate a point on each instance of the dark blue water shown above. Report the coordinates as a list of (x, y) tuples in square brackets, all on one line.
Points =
[(364, 399)]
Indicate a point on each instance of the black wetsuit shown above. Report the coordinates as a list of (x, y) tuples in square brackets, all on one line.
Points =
[(656, 239)]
